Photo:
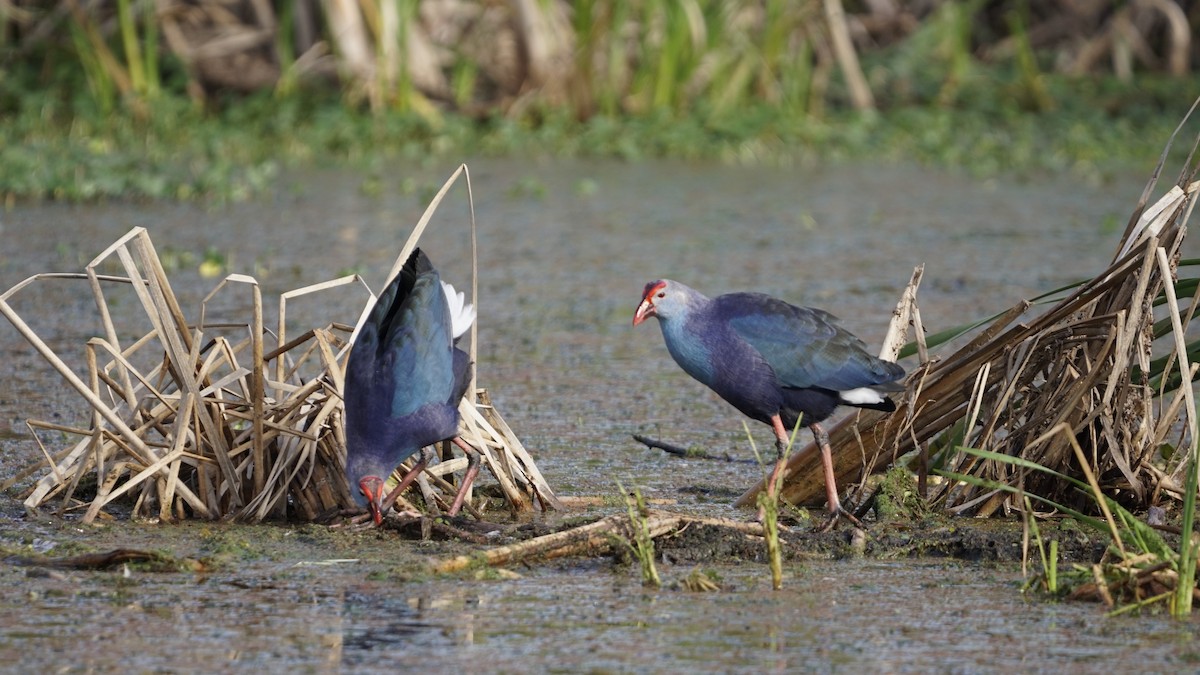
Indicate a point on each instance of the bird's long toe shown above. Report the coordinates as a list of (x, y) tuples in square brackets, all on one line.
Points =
[(837, 514), (361, 521)]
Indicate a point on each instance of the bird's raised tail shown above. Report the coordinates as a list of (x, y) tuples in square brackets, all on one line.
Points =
[(879, 378), (462, 313)]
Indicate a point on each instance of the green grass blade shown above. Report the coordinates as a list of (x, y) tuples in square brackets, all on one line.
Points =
[(1182, 606), (133, 50), (1004, 487)]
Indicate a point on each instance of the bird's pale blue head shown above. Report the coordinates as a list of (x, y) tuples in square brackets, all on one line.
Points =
[(654, 292), (664, 299), (366, 474)]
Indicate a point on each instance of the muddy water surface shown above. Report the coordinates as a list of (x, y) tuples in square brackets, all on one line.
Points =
[(565, 248)]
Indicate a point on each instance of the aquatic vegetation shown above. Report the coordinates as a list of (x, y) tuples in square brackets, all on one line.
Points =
[(642, 543), (768, 506), (898, 498), (701, 581), (1139, 569)]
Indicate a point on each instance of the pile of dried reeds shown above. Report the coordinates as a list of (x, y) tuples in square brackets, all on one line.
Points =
[(227, 420), (1085, 363)]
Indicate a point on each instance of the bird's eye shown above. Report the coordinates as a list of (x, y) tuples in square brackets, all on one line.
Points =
[(662, 294)]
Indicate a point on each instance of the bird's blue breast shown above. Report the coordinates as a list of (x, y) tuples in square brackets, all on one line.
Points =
[(689, 350), (719, 358)]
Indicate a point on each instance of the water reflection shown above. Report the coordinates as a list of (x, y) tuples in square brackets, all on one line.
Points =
[(381, 623)]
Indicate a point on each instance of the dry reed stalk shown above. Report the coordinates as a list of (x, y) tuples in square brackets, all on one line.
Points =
[(1024, 375), (843, 48), (226, 420)]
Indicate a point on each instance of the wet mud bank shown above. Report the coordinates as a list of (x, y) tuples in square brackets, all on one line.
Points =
[(407, 548)]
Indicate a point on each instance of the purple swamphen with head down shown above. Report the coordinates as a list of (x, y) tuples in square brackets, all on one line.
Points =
[(404, 382), (775, 362)]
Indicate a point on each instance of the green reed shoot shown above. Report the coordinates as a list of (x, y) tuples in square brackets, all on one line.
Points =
[(954, 25), (600, 64), (139, 42), (1031, 82), (768, 503), (285, 49), (100, 83), (770, 523), (1182, 605), (407, 95), (642, 545), (1049, 560), (133, 70)]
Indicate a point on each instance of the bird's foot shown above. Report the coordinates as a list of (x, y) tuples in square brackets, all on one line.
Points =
[(836, 514), (360, 521)]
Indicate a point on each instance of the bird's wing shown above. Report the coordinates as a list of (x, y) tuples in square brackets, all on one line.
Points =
[(804, 346), (419, 343)]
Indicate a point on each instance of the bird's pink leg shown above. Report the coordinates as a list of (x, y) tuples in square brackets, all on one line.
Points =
[(468, 477), (406, 481), (831, 491), (781, 441)]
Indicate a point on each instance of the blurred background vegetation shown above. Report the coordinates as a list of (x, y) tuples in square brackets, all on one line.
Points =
[(210, 98)]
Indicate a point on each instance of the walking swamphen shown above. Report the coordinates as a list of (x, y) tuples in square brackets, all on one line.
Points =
[(403, 384), (773, 361)]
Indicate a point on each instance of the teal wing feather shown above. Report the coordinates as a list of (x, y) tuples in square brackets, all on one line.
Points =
[(805, 346), (417, 346)]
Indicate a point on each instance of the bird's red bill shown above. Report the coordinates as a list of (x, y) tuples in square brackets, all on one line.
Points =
[(372, 488), (645, 309)]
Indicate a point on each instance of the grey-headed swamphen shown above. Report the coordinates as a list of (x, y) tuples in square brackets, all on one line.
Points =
[(404, 382), (773, 361)]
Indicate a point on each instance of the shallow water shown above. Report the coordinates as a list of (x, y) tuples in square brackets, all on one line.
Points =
[(845, 616), (565, 248)]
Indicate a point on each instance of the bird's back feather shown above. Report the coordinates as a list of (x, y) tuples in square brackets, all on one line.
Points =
[(805, 346), (405, 376)]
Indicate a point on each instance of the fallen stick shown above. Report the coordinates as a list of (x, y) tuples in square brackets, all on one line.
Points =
[(593, 538), (689, 453)]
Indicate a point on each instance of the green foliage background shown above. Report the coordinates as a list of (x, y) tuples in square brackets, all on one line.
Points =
[(96, 101)]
